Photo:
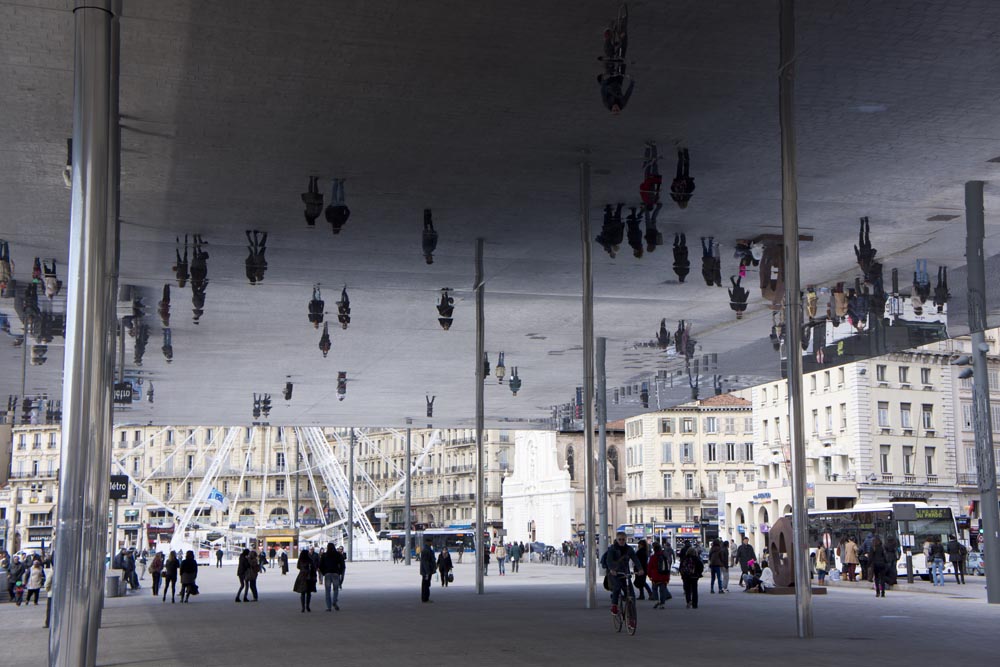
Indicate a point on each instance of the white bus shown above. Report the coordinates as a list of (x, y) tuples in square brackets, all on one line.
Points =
[(834, 526)]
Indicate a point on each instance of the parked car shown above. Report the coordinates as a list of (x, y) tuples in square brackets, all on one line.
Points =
[(974, 563)]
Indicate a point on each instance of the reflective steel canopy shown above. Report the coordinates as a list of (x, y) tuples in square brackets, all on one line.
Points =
[(482, 114)]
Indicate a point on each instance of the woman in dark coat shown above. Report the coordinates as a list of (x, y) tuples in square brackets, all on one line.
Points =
[(170, 577), (305, 582), (284, 562), (444, 565), (189, 573), (642, 553), (241, 572)]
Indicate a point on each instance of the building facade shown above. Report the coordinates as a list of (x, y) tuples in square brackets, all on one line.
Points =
[(570, 448), (676, 460), (443, 492), (876, 431)]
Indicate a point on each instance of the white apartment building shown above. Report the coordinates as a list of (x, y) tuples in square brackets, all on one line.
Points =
[(676, 461), (876, 431)]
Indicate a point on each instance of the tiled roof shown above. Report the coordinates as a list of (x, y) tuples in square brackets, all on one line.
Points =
[(724, 400)]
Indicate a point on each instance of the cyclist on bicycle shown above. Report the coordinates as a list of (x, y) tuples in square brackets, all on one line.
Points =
[(613, 93), (616, 561)]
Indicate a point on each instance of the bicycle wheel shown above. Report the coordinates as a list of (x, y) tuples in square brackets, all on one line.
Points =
[(630, 616), (616, 619)]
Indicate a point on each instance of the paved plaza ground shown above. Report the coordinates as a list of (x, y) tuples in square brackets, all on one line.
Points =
[(535, 617)]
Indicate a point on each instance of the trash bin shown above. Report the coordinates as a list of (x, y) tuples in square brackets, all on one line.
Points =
[(112, 586)]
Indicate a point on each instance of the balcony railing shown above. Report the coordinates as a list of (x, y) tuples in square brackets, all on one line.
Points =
[(967, 479), (909, 479)]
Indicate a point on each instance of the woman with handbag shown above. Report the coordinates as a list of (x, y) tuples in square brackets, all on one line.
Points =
[(445, 567), (189, 574), (170, 577), (305, 582)]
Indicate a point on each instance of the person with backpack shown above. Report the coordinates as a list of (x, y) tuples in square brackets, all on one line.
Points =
[(658, 571), (691, 569), (957, 553), (879, 564)]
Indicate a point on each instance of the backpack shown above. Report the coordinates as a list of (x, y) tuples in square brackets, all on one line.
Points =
[(687, 568), (962, 551), (662, 567)]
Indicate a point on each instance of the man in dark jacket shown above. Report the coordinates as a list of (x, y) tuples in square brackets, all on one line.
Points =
[(616, 561), (745, 554), (332, 568), (14, 572), (957, 554), (428, 565)]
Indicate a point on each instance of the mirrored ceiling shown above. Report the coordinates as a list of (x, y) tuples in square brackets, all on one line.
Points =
[(241, 121)]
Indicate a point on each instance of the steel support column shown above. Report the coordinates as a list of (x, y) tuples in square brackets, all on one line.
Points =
[(793, 317), (981, 417), (350, 502), (480, 380), (409, 499), (85, 463), (588, 386), (602, 448)]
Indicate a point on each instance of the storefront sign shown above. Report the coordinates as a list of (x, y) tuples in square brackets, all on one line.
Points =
[(39, 534)]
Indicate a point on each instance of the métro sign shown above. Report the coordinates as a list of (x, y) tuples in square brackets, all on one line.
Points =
[(123, 393), (119, 487)]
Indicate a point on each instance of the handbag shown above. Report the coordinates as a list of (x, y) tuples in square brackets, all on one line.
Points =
[(607, 582), (451, 577), (193, 589)]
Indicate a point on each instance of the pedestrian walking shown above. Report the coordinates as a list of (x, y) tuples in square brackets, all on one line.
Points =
[(427, 566), (515, 556), (156, 571), (715, 562), (849, 558), (332, 567), (658, 571), (957, 553), (936, 558), (34, 580), (691, 569), (218, 557), (879, 563), (501, 556), (170, 568), (242, 565), (251, 576), (305, 581), (445, 567), (337, 212), (822, 563), (642, 553), (189, 577), (283, 560)]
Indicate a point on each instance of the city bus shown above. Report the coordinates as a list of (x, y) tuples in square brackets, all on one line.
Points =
[(456, 539), (834, 526)]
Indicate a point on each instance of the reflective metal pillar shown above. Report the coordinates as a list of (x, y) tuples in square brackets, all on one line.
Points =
[(480, 380), (981, 417), (350, 503), (793, 318), (409, 498), (602, 448), (588, 385), (89, 360)]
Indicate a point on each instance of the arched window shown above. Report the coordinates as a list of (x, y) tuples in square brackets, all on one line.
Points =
[(613, 460), (569, 463), (246, 511), (278, 511)]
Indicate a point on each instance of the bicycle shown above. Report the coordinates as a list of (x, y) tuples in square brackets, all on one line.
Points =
[(626, 606), (616, 40)]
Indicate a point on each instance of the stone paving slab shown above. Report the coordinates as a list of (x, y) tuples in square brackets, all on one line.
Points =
[(535, 617)]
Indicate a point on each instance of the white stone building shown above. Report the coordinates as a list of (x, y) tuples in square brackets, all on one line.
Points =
[(538, 498)]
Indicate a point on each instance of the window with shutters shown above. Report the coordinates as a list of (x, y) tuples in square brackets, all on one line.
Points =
[(711, 453), (668, 452), (667, 425), (668, 484), (927, 416), (729, 424), (904, 415), (966, 416), (687, 452), (929, 461), (925, 376), (730, 452)]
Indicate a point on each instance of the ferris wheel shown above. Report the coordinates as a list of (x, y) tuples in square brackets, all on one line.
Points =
[(234, 457)]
